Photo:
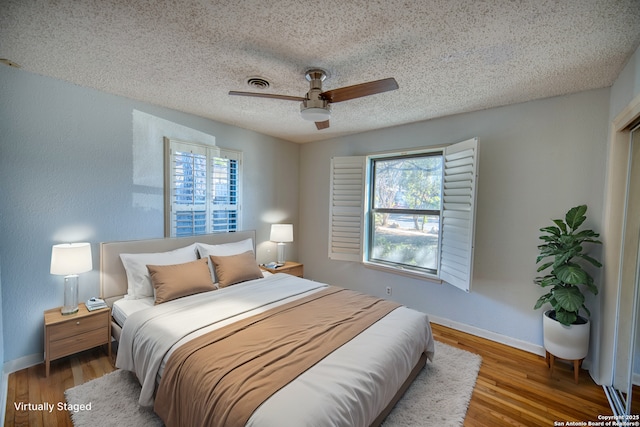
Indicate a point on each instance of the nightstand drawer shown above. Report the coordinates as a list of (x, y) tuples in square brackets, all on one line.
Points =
[(79, 342), (77, 326)]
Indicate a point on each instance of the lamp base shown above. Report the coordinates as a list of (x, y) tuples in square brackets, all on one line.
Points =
[(281, 257), (66, 311), (70, 295)]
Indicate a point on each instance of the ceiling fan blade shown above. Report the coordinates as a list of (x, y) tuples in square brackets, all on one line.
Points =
[(267, 95), (322, 125), (360, 90)]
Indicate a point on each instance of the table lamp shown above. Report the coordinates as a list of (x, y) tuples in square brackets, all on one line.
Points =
[(69, 260), (281, 233)]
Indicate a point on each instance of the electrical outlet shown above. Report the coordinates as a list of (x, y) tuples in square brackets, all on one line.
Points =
[(388, 290)]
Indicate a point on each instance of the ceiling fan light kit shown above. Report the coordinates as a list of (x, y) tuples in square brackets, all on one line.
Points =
[(316, 105), (315, 114)]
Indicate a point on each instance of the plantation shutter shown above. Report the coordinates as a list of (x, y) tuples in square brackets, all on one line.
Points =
[(458, 213), (225, 191), (188, 187), (202, 188), (346, 216)]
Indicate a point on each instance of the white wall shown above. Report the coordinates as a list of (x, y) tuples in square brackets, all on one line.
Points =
[(68, 173), (537, 160)]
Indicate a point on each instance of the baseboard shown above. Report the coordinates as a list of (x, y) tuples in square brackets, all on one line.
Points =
[(492, 336), (22, 363)]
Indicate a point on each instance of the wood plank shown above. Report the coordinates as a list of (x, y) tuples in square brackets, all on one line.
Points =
[(22, 396), (513, 386)]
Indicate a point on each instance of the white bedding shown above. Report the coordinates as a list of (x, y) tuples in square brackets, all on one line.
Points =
[(348, 388), (123, 308)]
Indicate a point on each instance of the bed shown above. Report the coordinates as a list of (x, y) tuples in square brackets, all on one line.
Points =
[(354, 384)]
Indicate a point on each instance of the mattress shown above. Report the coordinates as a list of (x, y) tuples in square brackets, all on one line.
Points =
[(123, 308)]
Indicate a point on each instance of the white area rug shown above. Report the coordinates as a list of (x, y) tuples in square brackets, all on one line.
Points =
[(439, 396)]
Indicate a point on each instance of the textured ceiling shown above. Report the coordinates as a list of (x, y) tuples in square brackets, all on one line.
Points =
[(448, 56)]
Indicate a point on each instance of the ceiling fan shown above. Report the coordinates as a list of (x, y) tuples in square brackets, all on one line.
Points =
[(316, 105)]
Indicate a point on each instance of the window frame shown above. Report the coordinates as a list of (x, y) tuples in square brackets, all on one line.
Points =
[(210, 208), (371, 211), (349, 217)]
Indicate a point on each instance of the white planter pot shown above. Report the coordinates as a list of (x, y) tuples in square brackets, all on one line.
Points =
[(565, 342)]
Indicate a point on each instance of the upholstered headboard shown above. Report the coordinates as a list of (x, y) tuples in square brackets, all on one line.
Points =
[(113, 278)]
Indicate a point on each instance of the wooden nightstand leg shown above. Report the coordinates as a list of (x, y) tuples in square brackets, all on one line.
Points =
[(110, 337), (47, 361)]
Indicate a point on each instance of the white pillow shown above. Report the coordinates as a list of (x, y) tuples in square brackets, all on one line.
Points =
[(138, 278), (224, 249)]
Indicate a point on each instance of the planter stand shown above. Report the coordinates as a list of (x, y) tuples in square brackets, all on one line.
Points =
[(569, 343), (577, 363)]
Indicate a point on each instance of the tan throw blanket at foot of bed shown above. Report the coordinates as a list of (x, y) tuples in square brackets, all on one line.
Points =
[(220, 378)]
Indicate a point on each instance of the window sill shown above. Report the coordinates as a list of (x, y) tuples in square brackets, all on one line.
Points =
[(403, 272)]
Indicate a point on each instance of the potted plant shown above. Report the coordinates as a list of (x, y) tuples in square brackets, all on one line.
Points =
[(566, 332)]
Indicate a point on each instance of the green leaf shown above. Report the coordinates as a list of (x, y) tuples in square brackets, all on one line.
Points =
[(543, 300), (576, 216), (548, 250), (567, 240), (551, 230), (571, 273), (591, 287), (569, 298), (593, 261), (545, 266), (564, 257), (548, 280), (567, 318), (588, 234), (561, 225)]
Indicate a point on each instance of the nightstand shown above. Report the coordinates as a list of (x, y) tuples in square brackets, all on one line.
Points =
[(73, 333), (289, 267)]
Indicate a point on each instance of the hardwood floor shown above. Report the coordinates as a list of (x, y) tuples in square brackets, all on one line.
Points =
[(31, 386), (513, 387)]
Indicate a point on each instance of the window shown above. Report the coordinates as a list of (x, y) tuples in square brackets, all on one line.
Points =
[(404, 211), (202, 189), (411, 212)]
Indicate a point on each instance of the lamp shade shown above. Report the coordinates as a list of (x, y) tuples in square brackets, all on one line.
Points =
[(71, 258), (281, 233)]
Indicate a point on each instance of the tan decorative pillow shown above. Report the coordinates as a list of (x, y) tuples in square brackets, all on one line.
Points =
[(234, 269), (179, 280)]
